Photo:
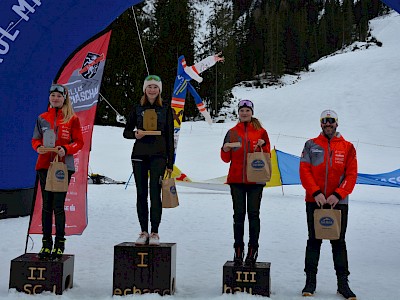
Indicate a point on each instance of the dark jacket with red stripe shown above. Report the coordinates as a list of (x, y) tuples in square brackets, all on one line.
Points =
[(248, 136), (68, 135), (328, 166)]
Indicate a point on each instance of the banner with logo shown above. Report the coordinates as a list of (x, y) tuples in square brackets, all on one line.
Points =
[(82, 75), (36, 38)]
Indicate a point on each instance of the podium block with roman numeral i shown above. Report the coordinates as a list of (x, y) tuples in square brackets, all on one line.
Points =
[(144, 269)]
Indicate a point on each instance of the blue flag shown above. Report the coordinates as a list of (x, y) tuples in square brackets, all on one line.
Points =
[(36, 37)]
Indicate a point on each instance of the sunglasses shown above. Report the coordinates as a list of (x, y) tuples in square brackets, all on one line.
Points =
[(330, 120), (246, 103), (58, 88), (153, 77)]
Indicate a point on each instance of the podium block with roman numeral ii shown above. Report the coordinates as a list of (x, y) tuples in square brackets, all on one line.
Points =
[(253, 280), (31, 275), (144, 269)]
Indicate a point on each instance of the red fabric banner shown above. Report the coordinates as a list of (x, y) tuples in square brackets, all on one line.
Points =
[(82, 75)]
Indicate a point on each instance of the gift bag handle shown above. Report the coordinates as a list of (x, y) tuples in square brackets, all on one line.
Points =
[(322, 207), (261, 149), (167, 175)]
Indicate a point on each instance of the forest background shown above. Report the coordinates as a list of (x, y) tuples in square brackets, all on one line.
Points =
[(261, 40)]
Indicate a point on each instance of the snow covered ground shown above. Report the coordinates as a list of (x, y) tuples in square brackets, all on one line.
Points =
[(362, 86)]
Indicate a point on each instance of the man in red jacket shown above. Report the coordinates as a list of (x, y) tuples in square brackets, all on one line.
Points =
[(328, 173)]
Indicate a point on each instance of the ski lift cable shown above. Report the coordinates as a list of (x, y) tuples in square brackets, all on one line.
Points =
[(140, 40)]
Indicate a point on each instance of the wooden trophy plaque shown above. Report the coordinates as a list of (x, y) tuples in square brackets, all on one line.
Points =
[(150, 122)]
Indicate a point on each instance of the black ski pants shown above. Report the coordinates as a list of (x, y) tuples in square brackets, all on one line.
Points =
[(53, 202), (246, 197), (155, 165), (339, 250)]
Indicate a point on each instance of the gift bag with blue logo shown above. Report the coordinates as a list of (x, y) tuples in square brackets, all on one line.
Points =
[(57, 177), (258, 167), (327, 223), (169, 193)]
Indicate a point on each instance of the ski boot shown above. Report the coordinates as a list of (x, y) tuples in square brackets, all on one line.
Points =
[(58, 250), (251, 257), (238, 257), (311, 284), (344, 289), (45, 252)]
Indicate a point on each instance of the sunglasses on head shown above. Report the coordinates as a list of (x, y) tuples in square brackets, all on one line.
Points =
[(152, 77), (328, 120), (246, 103), (58, 88)]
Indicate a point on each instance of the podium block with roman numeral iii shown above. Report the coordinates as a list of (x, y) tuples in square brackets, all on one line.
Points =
[(253, 280), (31, 275), (144, 269)]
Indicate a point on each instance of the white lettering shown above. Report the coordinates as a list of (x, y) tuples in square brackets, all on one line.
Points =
[(19, 9), (6, 34), (85, 95)]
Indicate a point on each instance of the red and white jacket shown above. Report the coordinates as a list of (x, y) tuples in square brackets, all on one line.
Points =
[(248, 136), (328, 166), (68, 135)]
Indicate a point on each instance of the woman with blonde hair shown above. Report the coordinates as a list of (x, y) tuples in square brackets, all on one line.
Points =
[(57, 128), (152, 155)]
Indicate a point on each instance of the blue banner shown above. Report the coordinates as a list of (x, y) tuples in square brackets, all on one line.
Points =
[(289, 164), (36, 37), (391, 179)]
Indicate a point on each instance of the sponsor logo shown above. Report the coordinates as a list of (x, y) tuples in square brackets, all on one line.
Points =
[(317, 150), (172, 189), (60, 175), (257, 164), (326, 221)]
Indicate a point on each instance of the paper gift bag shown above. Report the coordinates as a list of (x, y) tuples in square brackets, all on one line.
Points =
[(327, 223), (169, 193), (258, 167), (57, 177)]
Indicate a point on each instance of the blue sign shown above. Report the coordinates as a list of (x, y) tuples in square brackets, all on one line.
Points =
[(36, 37)]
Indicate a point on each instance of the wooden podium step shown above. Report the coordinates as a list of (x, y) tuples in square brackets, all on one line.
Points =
[(31, 275), (252, 280), (144, 269)]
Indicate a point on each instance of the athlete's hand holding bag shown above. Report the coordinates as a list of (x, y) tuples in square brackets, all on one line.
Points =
[(258, 166), (327, 223)]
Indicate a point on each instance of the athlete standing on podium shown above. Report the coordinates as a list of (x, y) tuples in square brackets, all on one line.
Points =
[(151, 154)]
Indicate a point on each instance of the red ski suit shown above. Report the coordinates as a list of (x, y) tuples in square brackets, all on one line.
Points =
[(68, 135), (248, 136), (328, 166)]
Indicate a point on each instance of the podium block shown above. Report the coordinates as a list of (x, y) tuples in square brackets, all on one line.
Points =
[(31, 275), (144, 269), (252, 280)]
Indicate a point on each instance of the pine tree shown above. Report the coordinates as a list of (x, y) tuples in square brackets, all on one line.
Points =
[(173, 36), (221, 38), (348, 22)]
